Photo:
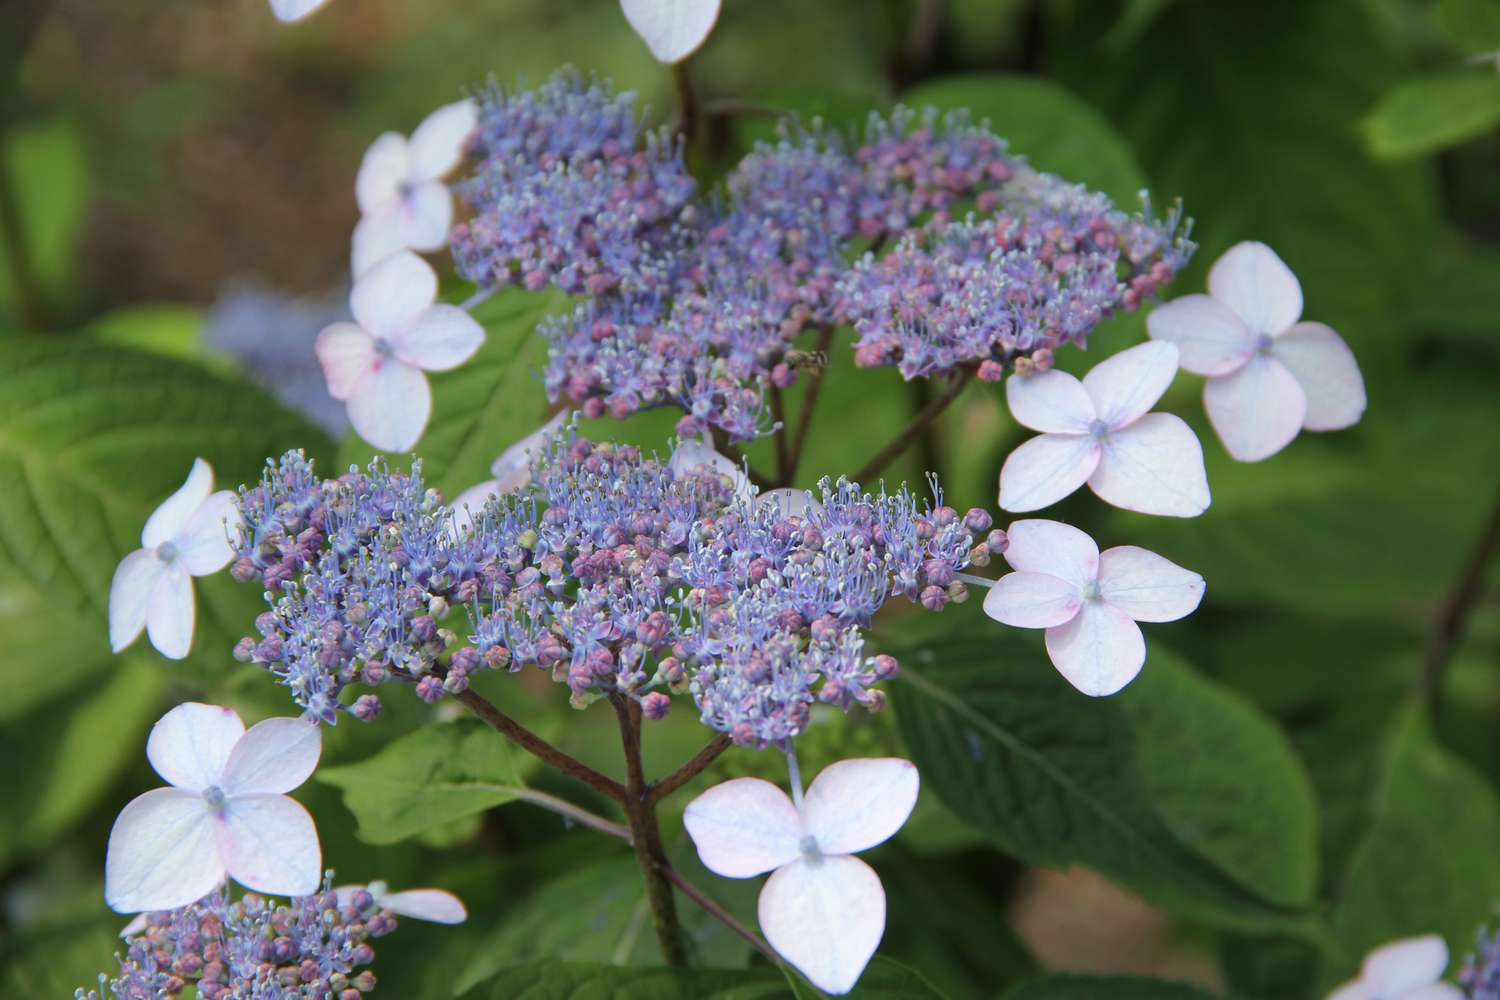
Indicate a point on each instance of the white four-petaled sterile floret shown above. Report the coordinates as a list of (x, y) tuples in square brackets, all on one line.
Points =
[(1269, 376), (1088, 601), (1408, 969), (189, 535), (225, 814), (1098, 431), (672, 29), (822, 909)]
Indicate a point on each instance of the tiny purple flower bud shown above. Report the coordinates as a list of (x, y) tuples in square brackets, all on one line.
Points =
[(655, 706)]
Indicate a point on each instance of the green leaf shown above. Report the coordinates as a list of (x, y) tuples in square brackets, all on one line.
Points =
[(1473, 25), (486, 404), (1174, 787), (1433, 113), (426, 779), (92, 439), (161, 328), (47, 167), (588, 981), (1427, 862), (1068, 986), (1055, 130), (69, 751)]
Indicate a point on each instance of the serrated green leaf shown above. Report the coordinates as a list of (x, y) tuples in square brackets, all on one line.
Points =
[(1427, 862), (586, 981), (92, 439), (426, 779), (1430, 114), (1042, 120), (1069, 986), (1174, 787)]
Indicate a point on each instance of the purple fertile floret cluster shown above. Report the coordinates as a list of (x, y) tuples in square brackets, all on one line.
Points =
[(252, 949), (700, 304), (620, 574), (1480, 974)]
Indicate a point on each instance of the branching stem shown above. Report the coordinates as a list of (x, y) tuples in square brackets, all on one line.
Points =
[(1454, 614), (713, 908), (538, 747), (913, 430), (688, 771)]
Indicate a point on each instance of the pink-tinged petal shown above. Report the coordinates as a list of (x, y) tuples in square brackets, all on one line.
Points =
[(385, 167), (1155, 466), (825, 916), (390, 296), (513, 467), (470, 502), (1052, 402), (1099, 651), (295, 10), (790, 502), (1211, 338), (1250, 279), (168, 520), (204, 546), (1147, 587), (169, 613), (1256, 411), (1032, 600), (1393, 969), (137, 924), (347, 354), (129, 591), (375, 238), (1125, 386), (426, 215), (426, 904), (1325, 368), (743, 828), (438, 143), (390, 407), (273, 757), (672, 29), (1037, 545), (443, 337), (1045, 469), (852, 805), (1436, 991), (270, 845), (693, 455), (1355, 989), (191, 744), (162, 853)]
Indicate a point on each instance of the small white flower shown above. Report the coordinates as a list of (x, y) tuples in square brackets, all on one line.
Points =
[(512, 471), (187, 536), (1088, 601), (375, 364), (821, 909), (671, 29), (434, 905), (403, 202), (225, 814), (1097, 431), (1269, 376), (295, 10), (1409, 969), (694, 455)]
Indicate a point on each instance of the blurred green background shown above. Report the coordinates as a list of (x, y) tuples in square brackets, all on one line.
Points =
[(176, 198)]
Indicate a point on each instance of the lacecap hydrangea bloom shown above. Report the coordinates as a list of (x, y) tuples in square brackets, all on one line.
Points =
[(615, 571)]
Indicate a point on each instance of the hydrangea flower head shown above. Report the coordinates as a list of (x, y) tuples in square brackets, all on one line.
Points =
[(822, 908), (1409, 969), (1269, 376), (672, 29), (1480, 975), (512, 471), (188, 535), (1097, 431), (403, 201), (225, 813), (376, 363), (1088, 601)]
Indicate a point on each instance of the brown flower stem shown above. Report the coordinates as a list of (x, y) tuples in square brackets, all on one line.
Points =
[(714, 909), (809, 403), (646, 837), (783, 451), (562, 807), (913, 430), (538, 747), (688, 771), (1454, 614), (687, 101)]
